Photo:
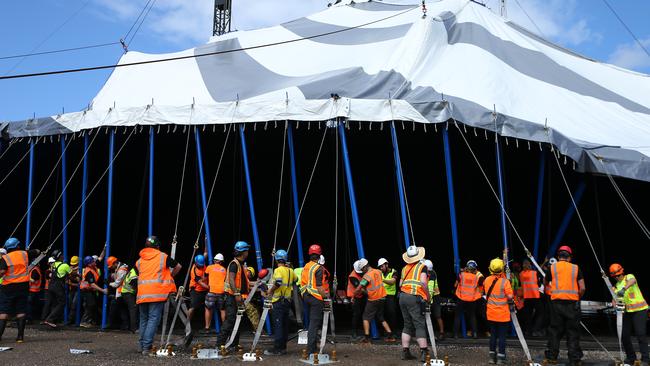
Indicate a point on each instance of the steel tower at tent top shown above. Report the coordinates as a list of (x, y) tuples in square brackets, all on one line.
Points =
[(222, 13)]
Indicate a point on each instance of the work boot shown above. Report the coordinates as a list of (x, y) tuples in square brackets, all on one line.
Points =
[(501, 359), (423, 354), (21, 330), (493, 358), (406, 354), (3, 324)]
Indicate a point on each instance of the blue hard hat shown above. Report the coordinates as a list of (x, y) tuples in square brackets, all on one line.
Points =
[(472, 264), (12, 243), (88, 260), (281, 255), (242, 246), (199, 260)]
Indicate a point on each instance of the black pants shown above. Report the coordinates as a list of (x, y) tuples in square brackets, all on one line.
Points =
[(357, 311), (635, 323), (314, 308), (468, 309), (56, 302), (132, 310), (118, 316), (230, 306), (34, 303), (90, 307), (565, 319), (390, 311), (280, 318), (531, 315), (73, 302)]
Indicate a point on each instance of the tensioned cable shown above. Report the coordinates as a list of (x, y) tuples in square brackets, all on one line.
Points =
[(277, 214), (31, 204), (142, 22), (180, 193), (15, 165), (530, 18), (74, 172), (401, 177), (609, 354), (11, 144), (60, 50), (136, 20), (627, 28), (336, 206), (178, 58)]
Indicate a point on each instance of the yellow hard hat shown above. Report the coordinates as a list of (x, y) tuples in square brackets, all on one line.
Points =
[(251, 270), (74, 261), (496, 265)]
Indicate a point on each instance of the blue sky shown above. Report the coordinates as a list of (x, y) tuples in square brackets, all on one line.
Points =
[(586, 26)]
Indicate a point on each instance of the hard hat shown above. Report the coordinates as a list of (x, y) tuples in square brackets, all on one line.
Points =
[(565, 248), (56, 254), (381, 262), (88, 260), (315, 249), (12, 243), (74, 261), (263, 273), (251, 270), (219, 257), (496, 265), (281, 255), (110, 261), (199, 260), (321, 260), (429, 264), (51, 260), (3, 251), (358, 265), (152, 242), (615, 270), (242, 246), (472, 264)]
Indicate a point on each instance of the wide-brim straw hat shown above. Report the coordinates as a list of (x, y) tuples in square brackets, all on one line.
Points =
[(413, 254)]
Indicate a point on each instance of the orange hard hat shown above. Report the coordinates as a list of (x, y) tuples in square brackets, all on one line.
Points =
[(615, 270), (315, 249), (111, 260)]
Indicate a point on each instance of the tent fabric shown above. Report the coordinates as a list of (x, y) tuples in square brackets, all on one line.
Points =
[(388, 62)]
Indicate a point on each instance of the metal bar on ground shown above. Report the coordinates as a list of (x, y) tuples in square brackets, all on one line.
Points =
[(568, 215), (82, 229), (540, 201), (251, 206), (294, 192), (64, 220), (109, 211), (151, 175), (400, 185), (30, 186)]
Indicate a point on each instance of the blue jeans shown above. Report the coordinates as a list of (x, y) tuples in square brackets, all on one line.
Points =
[(498, 332), (280, 316), (150, 314)]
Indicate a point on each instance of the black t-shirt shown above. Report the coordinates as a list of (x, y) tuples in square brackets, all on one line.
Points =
[(232, 268), (90, 278)]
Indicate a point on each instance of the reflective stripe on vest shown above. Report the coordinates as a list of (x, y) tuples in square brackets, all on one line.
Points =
[(411, 283), (35, 286), (565, 288), (529, 284), (16, 268), (241, 287), (633, 298), (309, 284), (467, 289), (156, 282), (376, 290), (84, 285), (499, 298)]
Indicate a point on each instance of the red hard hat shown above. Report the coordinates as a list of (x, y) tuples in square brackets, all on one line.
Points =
[(565, 248), (315, 249), (615, 270), (263, 273)]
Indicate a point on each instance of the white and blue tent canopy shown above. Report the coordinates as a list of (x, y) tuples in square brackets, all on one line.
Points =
[(387, 62)]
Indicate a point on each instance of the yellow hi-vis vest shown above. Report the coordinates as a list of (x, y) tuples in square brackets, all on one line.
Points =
[(633, 299)]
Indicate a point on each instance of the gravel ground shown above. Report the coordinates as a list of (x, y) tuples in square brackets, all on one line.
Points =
[(109, 348)]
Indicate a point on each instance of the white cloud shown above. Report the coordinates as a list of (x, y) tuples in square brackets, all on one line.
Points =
[(631, 56)]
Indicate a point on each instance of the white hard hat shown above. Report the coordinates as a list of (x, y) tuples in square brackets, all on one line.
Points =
[(96, 258), (218, 257), (429, 265), (51, 260), (3, 251), (358, 265), (381, 262), (321, 261)]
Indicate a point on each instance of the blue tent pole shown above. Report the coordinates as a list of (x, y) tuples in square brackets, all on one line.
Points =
[(571, 210), (353, 208), (400, 185), (206, 219), (452, 201), (294, 192), (251, 206), (109, 210), (30, 184), (540, 198), (82, 229), (64, 219), (151, 170), (504, 230)]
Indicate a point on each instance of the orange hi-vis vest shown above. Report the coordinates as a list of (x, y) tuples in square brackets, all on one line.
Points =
[(529, 284), (497, 303), (326, 280), (411, 283), (155, 281), (84, 285), (565, 281), (216, 278), (241, 288), (308, 280), (351, 287), (467, 289), (35, 286), (376, 290), (197, 272), (122, 271), (17, 264)]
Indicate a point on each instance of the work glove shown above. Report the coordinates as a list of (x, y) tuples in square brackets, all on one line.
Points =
[(620, 292)]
